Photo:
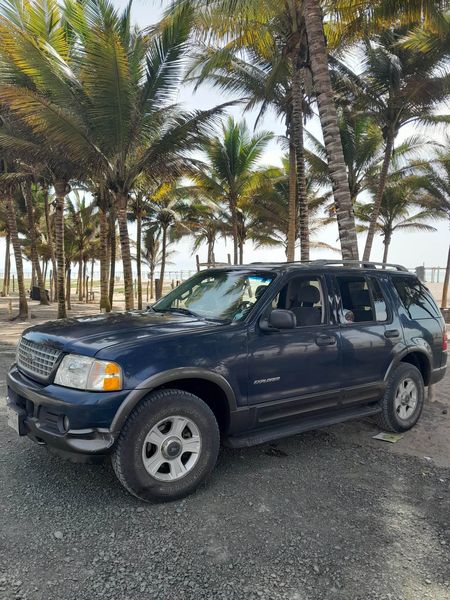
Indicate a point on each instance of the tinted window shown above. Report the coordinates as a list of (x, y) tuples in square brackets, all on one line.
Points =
[(304, 297), (379, 302), (356, 302), (415, 297)]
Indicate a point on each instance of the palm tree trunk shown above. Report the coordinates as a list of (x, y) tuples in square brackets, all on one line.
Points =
[(387, 243), (125, 249), (160, 286), (379, 196), (292, 211), (152, 281), (85, 290), (68, 288), (33, 243), (50, 238), (7, 265), (79, 278), (328, 118), (301, 194), (112, 253), (104, 297), (235, 230), (91, 291), (61, 189), (446, 282), (211, 241), (138, 257), (12, 226)]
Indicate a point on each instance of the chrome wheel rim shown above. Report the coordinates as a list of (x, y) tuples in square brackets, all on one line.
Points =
[(171, 448), (406, 398)]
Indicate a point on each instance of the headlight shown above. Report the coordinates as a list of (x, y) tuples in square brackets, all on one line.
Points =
[(84, 373)]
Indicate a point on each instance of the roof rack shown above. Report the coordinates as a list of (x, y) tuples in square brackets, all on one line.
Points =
[(363, 264)]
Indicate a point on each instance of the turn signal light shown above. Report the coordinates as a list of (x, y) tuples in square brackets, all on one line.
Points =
[(445, 341)]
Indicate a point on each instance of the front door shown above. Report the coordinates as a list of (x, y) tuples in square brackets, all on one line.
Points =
[(296, 371)]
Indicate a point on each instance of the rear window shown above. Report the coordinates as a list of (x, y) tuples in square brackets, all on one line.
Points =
[(417, 300)]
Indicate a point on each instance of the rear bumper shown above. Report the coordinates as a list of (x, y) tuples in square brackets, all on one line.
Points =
[(437, 374), (41, 415)]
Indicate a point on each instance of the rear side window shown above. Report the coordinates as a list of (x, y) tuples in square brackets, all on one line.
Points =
[(417, 300), (356, 301), (362, 299)]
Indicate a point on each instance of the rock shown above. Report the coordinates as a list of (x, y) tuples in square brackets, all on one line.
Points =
[(58, 535)]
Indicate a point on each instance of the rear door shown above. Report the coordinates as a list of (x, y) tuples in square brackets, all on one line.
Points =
[(370, 335)]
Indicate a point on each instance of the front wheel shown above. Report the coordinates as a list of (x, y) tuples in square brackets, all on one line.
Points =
[(167, 447), (403, 399)]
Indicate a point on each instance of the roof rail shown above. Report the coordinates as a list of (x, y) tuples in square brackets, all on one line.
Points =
[(363, 264)]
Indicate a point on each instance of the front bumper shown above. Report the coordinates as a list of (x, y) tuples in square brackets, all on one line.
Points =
[(41, 410)]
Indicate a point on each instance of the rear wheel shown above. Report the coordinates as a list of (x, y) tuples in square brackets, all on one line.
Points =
[(167, 447), (403, 399)]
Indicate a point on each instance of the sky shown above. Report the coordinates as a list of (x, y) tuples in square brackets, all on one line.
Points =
[(409, 249)]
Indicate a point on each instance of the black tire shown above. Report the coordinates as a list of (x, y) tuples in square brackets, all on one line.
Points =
[(127, 459), (388, 419)]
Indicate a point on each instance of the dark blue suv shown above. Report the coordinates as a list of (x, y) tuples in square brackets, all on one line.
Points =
[(244, 354)]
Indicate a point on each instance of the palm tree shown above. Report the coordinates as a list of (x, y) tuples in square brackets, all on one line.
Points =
[(395, 212), (4, 232), (8, 189), (166, 215), (151, 253), (101, 94), (204, 220), (434, 179), (318, 54), (362, 143), (270, 218), (402, 86), (229, 172), (289, 21), (82, 221), (29, 192), (267, 63)]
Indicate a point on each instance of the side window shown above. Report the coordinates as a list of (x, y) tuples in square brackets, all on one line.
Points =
[(379, 303), (356, 302), (415, 298), (304, 297)]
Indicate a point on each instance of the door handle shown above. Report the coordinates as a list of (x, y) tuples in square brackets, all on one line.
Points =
[(325, 340), (392, 333)]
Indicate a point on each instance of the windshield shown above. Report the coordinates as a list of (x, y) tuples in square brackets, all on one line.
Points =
[(217, 295)]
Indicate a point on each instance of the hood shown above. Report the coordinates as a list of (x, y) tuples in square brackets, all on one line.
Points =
[(87, 335)]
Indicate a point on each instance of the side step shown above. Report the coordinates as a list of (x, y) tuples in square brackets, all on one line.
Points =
[(268, 434)]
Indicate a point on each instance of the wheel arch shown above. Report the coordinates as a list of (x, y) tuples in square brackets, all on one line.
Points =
[(211, 387), (415, 356)]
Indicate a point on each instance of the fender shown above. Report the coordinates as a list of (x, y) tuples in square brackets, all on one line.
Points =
[(163, 378), (409, 350)]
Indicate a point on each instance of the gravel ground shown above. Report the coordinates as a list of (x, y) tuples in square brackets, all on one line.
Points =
[(317, 516)]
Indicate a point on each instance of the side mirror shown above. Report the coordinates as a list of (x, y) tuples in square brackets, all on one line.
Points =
[(279, 318)]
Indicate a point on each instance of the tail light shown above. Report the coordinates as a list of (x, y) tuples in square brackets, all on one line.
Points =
[(445, 341)]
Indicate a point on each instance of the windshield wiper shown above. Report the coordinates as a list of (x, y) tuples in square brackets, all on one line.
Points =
[(187, 311), (183, 311)]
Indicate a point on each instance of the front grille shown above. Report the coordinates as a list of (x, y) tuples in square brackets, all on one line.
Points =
[(36, 359)]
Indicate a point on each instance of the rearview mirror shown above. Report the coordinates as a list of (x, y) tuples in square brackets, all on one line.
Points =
[(279, 318)]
